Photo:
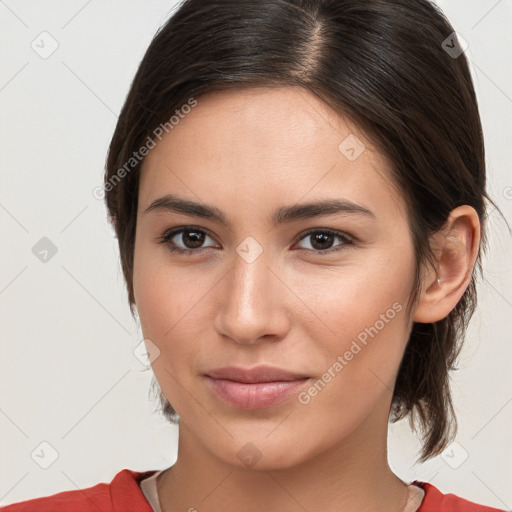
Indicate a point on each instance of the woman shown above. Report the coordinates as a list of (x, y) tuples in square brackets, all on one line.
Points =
[(298, 191)]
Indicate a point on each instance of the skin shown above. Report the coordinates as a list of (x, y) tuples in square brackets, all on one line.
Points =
[(249, 152)]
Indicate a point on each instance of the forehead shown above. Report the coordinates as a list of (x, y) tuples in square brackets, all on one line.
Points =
[(258, 119), (265, 142)]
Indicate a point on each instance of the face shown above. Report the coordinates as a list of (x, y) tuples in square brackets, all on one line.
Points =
[(320, 292)]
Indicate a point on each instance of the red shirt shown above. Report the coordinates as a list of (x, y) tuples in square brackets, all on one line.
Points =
[(123, 494)]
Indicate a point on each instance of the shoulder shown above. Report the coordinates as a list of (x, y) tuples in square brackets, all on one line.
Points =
[(122, 493), (436, 501)]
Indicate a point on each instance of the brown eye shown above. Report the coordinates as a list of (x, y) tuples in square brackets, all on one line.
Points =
[(184, 240), (322, 240), (192, 239)]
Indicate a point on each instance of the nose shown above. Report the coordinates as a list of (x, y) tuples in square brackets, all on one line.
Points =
[(255, 302)]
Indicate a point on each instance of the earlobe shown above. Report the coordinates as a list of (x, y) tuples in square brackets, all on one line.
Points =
[(456, 249)]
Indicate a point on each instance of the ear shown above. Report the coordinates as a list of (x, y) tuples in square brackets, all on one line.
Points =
[(456, 248)]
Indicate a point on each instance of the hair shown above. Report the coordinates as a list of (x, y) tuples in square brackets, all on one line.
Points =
[(383, 64)]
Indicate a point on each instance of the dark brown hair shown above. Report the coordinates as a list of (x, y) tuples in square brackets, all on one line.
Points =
[(395, 69)]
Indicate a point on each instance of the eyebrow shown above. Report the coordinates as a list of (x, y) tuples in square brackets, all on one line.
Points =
[(173, 204)]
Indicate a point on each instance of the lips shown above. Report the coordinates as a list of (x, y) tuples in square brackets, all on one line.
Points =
[(255, 388), (255, 375)]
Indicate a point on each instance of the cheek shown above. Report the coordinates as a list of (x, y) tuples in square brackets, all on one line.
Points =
[(157, 306), (344, 301), (360, 364), (163, 301), (171, 307), (360, 317)]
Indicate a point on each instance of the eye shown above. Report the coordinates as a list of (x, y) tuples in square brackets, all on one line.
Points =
[(321, 241), (191, 237)]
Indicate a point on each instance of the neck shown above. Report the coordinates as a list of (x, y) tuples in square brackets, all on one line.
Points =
[(353, 475)]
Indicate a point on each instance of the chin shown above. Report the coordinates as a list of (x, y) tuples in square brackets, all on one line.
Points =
[(262, 453)]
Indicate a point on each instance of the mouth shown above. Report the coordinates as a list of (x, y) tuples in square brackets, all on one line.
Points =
[(255, 388)]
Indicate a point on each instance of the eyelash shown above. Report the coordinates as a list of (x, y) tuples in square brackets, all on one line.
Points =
[(168, 235)]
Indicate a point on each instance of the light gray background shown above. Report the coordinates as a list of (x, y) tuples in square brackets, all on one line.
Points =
[(68, 374)]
